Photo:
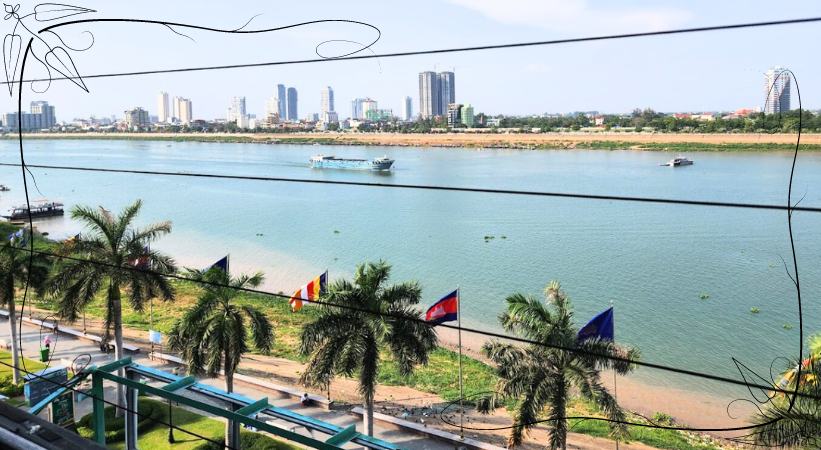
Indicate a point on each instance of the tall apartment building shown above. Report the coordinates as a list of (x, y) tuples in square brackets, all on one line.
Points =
[(236, 112), (407, 109), (327, 103), (282, 102), (41, 116), (163, 108), (429, 103), (292, 105), (137, 118), (467, 116), (183, 111), (447, 89), (776, 90), (436, 92)]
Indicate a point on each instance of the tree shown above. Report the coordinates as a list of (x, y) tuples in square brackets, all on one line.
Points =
[(213, 335), (800, 425), (19, 266), (348, 341), (117, 249), (541, 377)]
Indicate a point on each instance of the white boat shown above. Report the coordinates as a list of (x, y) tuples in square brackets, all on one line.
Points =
[(679, 161)]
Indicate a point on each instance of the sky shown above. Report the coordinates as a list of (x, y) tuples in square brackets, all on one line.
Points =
[(714, 71)]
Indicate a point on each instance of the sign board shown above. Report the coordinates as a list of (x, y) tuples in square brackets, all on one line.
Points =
[(40, 384), (155, 337), (61, 410)]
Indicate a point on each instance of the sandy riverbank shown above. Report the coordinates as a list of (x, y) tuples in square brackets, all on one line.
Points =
[(696, 409), (600, 140)]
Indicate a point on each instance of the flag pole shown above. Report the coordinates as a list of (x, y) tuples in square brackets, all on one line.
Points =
[(615, 388), (461, 387)]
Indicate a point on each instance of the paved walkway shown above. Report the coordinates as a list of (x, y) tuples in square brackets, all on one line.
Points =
[(67, 348)]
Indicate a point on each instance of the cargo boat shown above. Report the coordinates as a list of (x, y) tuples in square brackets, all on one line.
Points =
[(332, 162)]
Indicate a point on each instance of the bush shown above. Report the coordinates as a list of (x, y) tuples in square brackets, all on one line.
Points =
[(9, 389), (249, 439), (152, 412)]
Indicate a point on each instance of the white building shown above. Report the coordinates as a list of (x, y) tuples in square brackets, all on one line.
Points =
[(182, 110), (163, 111), (236, 111), (327, 100), (776, 91)]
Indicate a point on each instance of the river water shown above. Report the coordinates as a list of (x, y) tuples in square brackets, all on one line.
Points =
[(655, 262)]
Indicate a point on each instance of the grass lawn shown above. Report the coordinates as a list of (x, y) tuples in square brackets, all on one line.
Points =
[(5, 363), (155, 436)]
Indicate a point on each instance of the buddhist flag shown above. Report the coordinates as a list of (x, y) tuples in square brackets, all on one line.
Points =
[(445, 310), (600, 327), (310, 291), (221, 264)]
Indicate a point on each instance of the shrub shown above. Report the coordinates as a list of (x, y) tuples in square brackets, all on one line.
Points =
[(9, 389), (152, 412)]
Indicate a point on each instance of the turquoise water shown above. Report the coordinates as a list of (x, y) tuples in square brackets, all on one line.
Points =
[(653, 261)]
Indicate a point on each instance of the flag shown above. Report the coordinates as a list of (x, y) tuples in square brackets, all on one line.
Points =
[(221, 264), (310, 291), (600, 327), (445, 310)]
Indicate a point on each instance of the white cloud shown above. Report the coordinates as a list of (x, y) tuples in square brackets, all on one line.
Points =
[(577, 15)]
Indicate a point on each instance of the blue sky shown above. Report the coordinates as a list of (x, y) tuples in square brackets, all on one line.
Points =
[(709, 71)]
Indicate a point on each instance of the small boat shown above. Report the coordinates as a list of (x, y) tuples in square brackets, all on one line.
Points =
[(40, 208), (679, 161), (332, 162), (4, 188)]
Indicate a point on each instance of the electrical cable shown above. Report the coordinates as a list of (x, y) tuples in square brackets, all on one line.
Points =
[(442, 325), (409, 53), (432, 187)]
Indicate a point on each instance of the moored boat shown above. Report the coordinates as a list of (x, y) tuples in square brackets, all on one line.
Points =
[(41, 208)]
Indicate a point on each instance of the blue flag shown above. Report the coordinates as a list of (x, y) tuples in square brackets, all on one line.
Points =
[(221, 264), (600, 327)]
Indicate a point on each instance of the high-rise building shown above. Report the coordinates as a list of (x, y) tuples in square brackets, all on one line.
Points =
[(454, 115), (327, 105), (137, 118), (272, 114), (407, 109), (283, 104), (237, 109), (184, 113), (163, 110), (292, 104), (447, 90), (777, 91), (41, 117), (467, 116), (429, 95)]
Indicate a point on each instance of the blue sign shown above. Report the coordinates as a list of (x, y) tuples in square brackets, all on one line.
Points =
[(40, 384)]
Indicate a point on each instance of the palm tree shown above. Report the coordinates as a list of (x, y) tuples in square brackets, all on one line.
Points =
[(346, 341), (19, 266), (540, 377), (117, 247), (213, 334), (780, 425)]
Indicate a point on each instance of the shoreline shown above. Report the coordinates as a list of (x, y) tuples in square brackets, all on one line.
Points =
[(713, 142)]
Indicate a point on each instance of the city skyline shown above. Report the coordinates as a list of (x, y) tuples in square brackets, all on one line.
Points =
[(610, 76)]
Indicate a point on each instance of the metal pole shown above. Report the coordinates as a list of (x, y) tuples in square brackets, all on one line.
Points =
[(461, 387)]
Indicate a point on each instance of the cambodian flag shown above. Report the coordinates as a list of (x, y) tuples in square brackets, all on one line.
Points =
[(445, 310), (600, 327)]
